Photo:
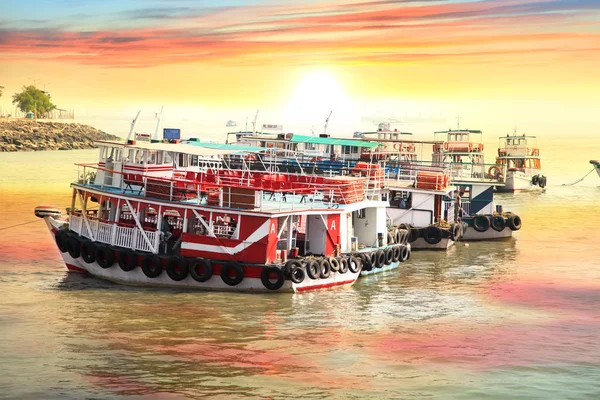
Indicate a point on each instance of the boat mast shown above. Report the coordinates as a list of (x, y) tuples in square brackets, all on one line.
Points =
[(158, 116), (133, 125), (254, 123), (327, 122)]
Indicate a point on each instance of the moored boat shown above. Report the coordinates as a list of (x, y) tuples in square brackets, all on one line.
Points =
[(519, 164), (175, 215)]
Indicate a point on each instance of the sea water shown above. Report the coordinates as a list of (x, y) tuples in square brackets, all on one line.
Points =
[(507, 319)]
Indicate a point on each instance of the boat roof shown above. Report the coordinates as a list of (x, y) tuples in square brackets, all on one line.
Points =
[(332, 141), (461, 131), (228, 146), (172, 147), (517, 137)]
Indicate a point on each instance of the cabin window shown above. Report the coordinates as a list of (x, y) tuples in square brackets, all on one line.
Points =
[(401, 199), (168, 158), (361, 214), (196, 227)]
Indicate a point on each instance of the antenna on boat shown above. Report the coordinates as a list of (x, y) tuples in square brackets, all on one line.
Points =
[(327, 122), (254, 123), (133, 126), (458, 122), (158, 116)]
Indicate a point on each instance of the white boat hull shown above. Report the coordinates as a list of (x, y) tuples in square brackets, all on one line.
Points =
[(421, 244), (136, 277), (470, 234), (519, 181)]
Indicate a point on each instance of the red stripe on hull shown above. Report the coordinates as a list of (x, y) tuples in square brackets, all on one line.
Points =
[(324, 286), (73, 268)]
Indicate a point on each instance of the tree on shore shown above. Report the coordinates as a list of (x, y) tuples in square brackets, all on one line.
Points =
[(34, 100)]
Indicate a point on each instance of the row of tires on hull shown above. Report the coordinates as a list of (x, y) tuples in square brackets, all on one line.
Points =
[(433, 234), (539, 180), (398, 235), (481, 223), (383, 257)]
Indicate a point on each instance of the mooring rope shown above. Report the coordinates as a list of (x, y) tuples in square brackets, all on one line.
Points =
[(13, 226), (577, 181)]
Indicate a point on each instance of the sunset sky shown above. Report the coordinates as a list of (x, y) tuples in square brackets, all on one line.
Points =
[(498, 64)]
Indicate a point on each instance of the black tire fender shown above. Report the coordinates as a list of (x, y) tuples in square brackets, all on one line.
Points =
[(389, 256), (343, 265), (432, 235), (61, 238), (105, 256), (514, 222), (325, 268), (265, 278), (297, 274), (152, 266), (355, 264), (201, 270), (127, 260), (177, 268), (334, 263), (88, 251), (73, 246), (404, 254), (380, 259), (313, 269), (237, 269), (498, 223), (481, 223), (397, 250)]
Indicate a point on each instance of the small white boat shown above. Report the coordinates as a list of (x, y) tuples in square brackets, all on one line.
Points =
[(519, 164)]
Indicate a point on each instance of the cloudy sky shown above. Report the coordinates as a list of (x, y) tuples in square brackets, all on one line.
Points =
[(496, 63)]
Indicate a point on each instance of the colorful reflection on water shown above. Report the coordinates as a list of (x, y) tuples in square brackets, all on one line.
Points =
[(507, 319)]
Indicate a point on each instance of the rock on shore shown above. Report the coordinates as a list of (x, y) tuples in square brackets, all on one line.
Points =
[(29, 135)]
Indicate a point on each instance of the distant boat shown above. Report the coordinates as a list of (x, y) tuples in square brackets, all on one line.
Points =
[(231, 123), (596, 165), (519, 164)]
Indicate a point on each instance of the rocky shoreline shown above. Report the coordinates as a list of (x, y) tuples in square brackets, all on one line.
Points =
[(29, 135)]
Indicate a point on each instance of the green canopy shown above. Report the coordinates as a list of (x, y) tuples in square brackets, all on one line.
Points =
[(332, 141), (225, 146)]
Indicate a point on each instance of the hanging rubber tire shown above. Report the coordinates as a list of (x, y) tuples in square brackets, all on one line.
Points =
[(380, 259), (325, 268), (432, 234), (238, 273), (514, 222), (390, 238), (455, 232), (354, 264), (88, 251), (405, 236), (404, 254), (265, 278), (334, 263), (177, 268), (152, 266), (290, 265), (535, 180), (389, 256), (365, 259), (397, 250), (73, 246), (61, 238), (127, 260), (498, 224), (397, 236), (105, 256), (297, 274), (414, 234), (201, 270), (542, 181), (312, 269), (373, 259), (481, 223), (343, 265)]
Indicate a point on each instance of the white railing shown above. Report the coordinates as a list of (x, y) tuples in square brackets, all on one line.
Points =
[(127, 237)]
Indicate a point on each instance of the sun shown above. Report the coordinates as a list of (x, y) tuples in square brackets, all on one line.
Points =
[(318, 93)]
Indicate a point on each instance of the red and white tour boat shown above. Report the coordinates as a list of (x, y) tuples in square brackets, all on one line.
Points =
[(169, 214)]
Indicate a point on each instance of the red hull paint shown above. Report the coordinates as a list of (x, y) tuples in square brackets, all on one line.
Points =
[(324, 286), (73, 268)]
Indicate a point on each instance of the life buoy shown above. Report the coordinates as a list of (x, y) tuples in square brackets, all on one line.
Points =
[(237, 270), (446, 146), (250, 158), (105, 257), (73, 246), (432, 234), (481, 223), (380, 259), (152, 266), (88, 251), (498, 223), (297, 274), (315, 159), (354, 264), (201, 270), (494, 172), (343, 265), (265, 278), (411, 148), (334, 263), (397, 146), (325, 268), (389, 256), (312, 269), (127, 260), (177, 268), (61, 238), (404, 253), (514, 222), (396, 251)]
